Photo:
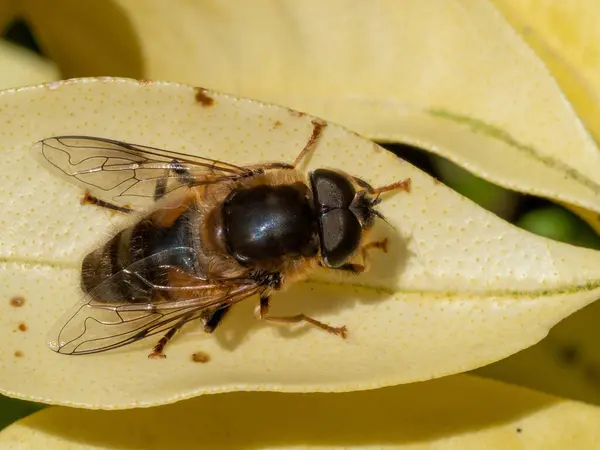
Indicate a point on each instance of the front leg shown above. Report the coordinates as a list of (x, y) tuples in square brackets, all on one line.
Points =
[(263, 314), (360, 268)]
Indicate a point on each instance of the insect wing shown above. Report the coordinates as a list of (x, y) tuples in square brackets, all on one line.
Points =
[(128, 174), (105, 320)]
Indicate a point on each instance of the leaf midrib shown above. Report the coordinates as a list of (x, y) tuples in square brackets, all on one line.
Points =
[(591, 285)]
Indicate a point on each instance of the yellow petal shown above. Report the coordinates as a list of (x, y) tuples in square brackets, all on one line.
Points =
[(21, 67), (459, 412), (565, 35), (375, 69), (459, 288), (565, 363), (86, 38)]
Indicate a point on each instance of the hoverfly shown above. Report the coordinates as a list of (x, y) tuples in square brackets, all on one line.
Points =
[(208, 234)]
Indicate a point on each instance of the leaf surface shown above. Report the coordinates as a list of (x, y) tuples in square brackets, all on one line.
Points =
[(458, 288), (445, 414), (425, 72), (21, 67)]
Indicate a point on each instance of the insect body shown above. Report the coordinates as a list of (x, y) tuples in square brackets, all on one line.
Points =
[(212, 234)]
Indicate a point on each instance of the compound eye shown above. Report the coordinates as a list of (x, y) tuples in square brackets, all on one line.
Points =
[(332, 189), (340, 236)]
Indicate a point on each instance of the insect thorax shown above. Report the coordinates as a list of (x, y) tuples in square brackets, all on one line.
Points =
[(269, 224)]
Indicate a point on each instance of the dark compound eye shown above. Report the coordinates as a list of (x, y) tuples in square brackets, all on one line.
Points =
[(339, 229), (340, 236), (332, 189)]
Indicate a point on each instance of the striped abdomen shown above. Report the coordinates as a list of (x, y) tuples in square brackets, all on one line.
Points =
[(139, 245)]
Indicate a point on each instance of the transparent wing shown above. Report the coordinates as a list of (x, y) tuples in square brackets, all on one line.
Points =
[(128, 174), (128, 307)]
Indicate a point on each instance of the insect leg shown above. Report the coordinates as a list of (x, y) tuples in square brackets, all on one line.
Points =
[(214, 319), (263, 313), (89, 199), (258, 168), (157, 351), (359, 268), (403, 185), (314, 137)]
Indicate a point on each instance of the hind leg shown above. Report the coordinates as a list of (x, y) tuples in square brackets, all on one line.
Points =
[(157, 351), (263, 314), (214, 319), (89, 199), (312, 141)]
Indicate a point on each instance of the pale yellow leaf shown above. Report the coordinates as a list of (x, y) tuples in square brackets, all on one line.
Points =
[(426, 72), (21, 67), (459, 288), (566, 36), (455, 413), (565, 363)]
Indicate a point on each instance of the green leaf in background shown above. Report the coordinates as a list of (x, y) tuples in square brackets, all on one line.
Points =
[(492, 197), (556, 222)]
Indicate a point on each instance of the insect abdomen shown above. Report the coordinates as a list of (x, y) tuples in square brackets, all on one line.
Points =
[(131, 246)]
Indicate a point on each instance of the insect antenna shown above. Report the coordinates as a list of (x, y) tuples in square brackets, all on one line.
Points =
[(382, 217)]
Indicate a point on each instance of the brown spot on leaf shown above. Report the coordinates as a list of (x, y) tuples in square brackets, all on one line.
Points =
[(203, 98), (277, 124), (22, 327), (201, 357), (145, 81), (18, 354), (17, 301)]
